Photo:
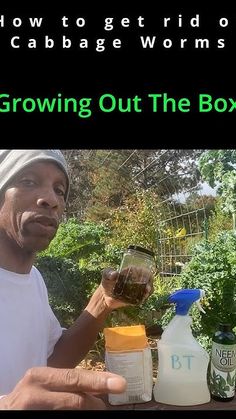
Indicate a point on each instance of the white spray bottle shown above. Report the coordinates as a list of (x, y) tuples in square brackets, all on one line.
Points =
[(182, 361)]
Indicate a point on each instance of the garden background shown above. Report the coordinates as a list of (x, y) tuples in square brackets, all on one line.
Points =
[(156, 198)]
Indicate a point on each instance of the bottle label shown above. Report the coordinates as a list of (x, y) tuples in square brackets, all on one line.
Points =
[(222, 384), (223, 357), (136, 367), (223, 370)]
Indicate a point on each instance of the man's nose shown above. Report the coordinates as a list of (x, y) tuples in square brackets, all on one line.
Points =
[(47, 198)]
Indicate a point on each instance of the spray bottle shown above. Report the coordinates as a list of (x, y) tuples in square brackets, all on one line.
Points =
[(182, 361)]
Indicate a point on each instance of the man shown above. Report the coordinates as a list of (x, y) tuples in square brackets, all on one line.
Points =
[(38, 358)]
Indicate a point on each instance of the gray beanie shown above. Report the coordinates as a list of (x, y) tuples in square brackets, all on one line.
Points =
[(13, 161)]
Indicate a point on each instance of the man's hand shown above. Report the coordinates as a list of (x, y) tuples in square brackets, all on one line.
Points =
[(45, 388), (109, 278)]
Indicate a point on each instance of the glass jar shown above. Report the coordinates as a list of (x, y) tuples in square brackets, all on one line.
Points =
[(135, 272)]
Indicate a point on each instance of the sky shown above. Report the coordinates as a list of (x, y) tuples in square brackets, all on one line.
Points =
[(207, 190)]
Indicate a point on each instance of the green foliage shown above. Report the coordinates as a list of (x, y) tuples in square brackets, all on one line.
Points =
[(218, 221), (72, 267), (77, 241), (136, 222), (229, 194), (213, 269), (218, 169), (214, 164), (69, 287)]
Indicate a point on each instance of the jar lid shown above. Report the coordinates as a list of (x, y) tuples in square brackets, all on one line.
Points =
[(141, 249)]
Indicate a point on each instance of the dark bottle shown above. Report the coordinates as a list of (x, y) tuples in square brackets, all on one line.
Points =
[(136, 270), (223, 364)]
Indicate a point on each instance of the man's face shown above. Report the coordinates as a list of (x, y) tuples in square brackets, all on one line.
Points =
[(32, 206)]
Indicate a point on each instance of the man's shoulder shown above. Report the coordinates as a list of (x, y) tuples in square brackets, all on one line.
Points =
[(35, 271), (36, 274)]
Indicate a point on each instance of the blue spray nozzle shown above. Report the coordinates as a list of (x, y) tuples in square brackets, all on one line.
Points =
[(185, 298)]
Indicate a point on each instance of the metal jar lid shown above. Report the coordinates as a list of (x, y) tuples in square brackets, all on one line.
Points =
[(141, 249)]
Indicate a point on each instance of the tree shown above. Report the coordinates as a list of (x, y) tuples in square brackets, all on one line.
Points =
[(136, 222), (103, 179), (213, 164), (165, 171), (81, 182), (97, 183)]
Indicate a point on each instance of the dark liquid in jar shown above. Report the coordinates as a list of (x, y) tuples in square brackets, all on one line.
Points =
[(127, 290)]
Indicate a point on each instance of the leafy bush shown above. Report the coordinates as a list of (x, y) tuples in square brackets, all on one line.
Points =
[(77, 241), (69, 287), (72, 266), (218, 221)]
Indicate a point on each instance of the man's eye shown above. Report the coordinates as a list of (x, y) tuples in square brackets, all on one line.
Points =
[(60, 192), (27, 182)]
